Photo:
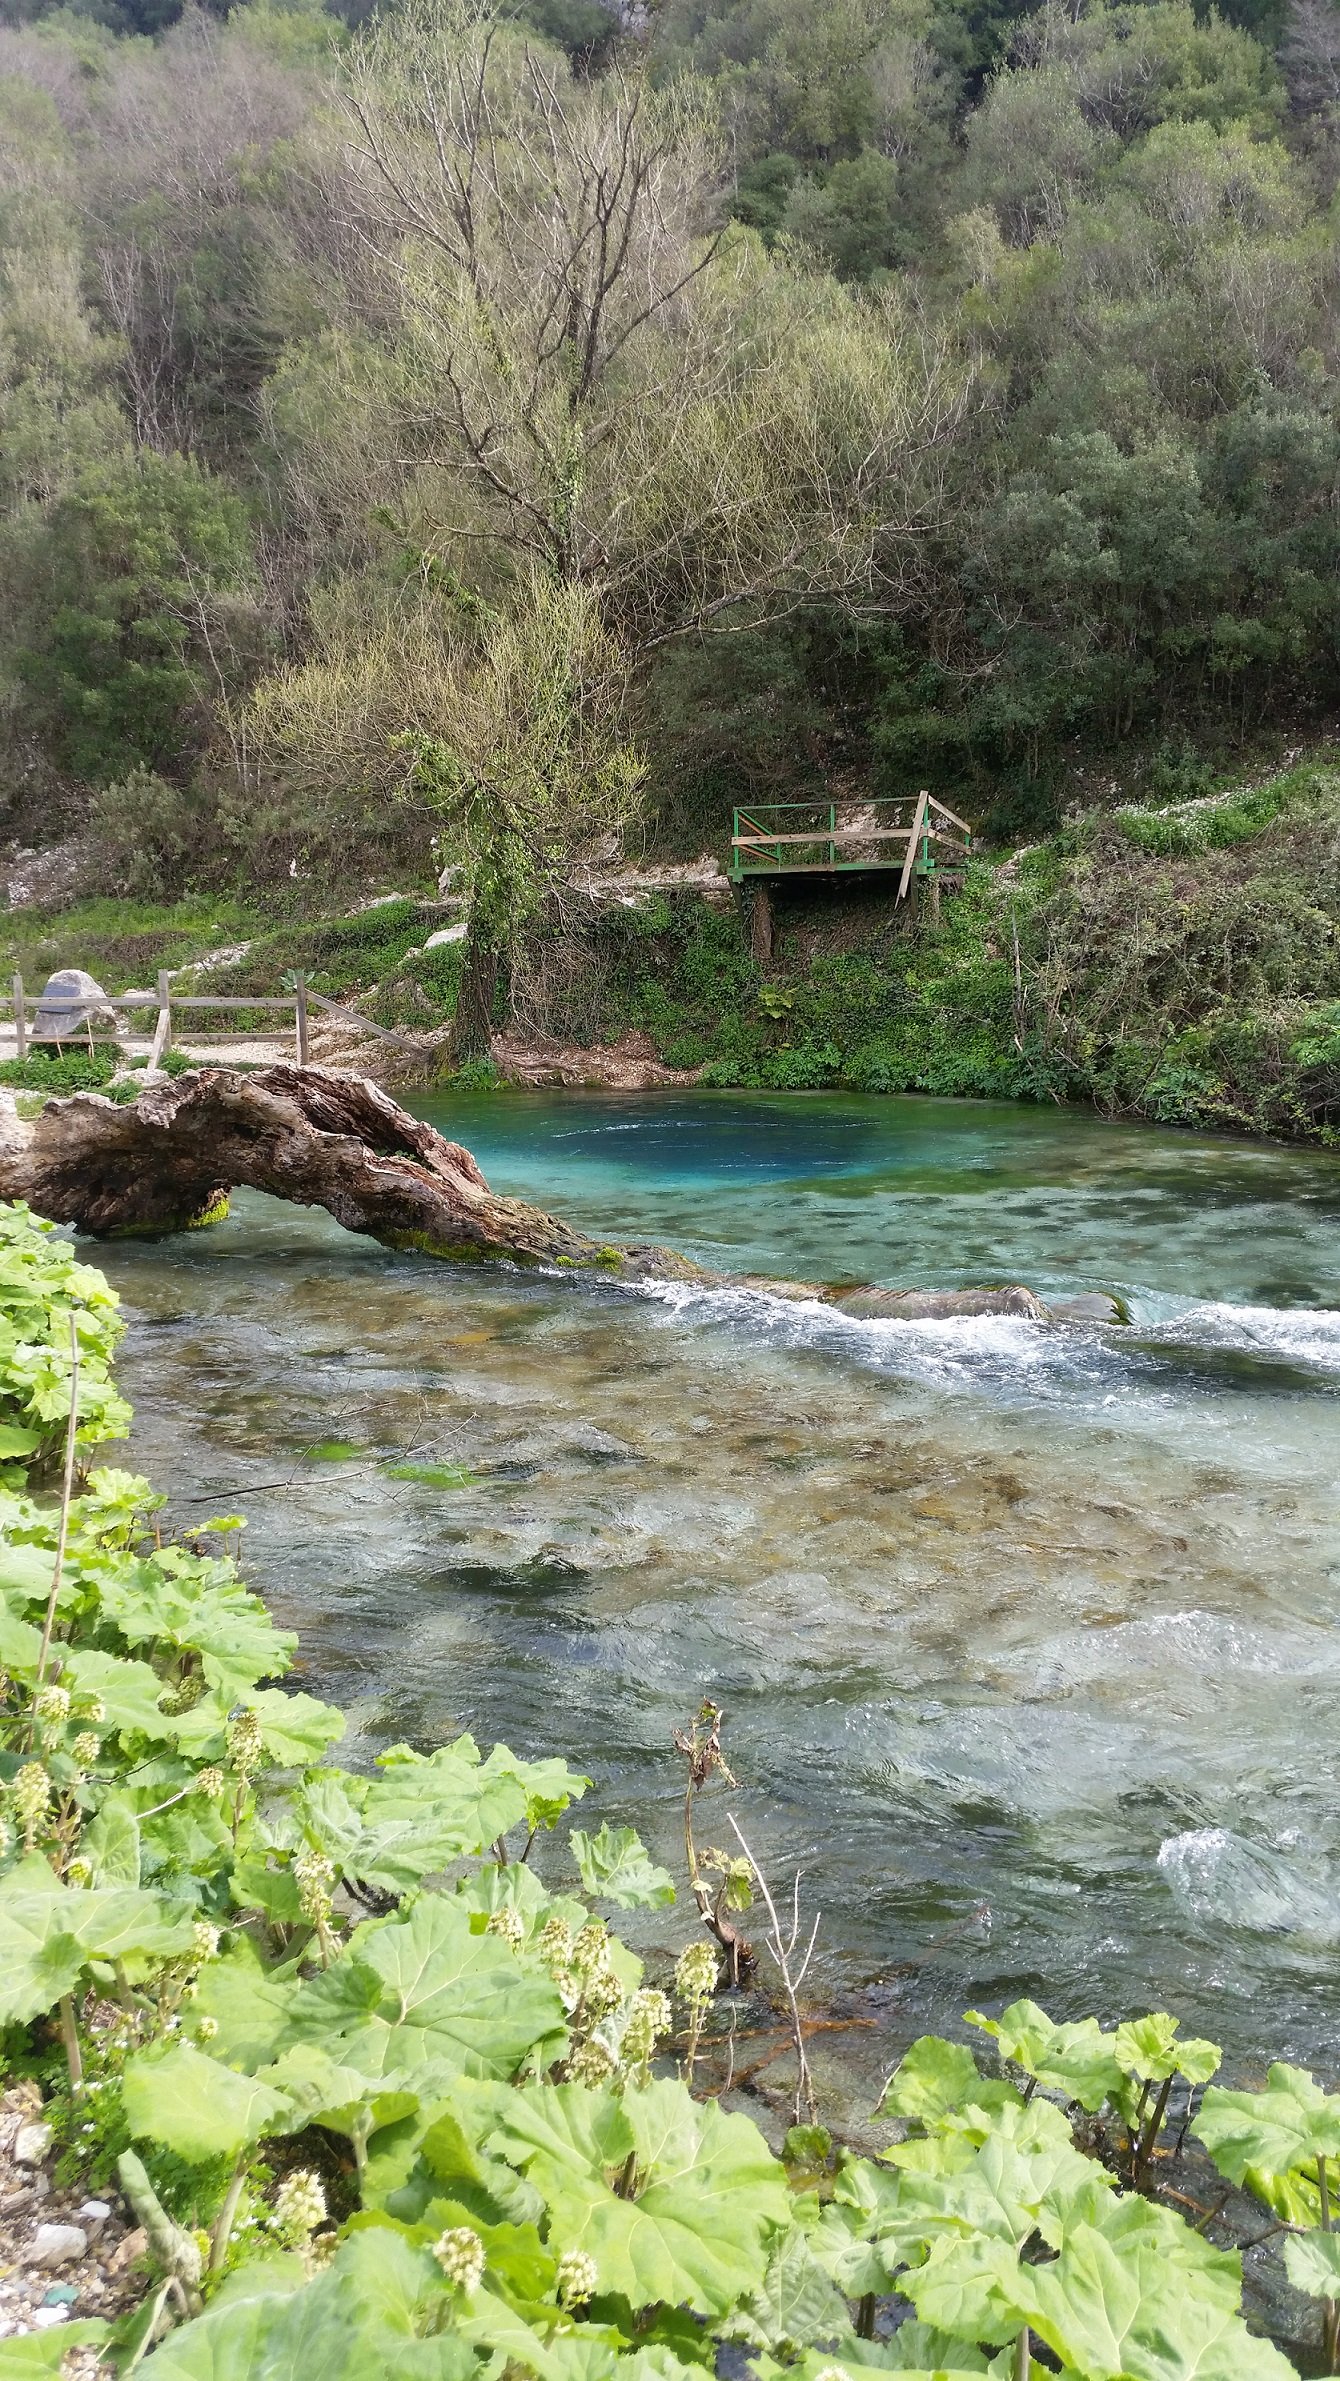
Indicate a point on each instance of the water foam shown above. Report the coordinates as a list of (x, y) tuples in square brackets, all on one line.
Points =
[(1220, 1877), (1304, 1335), (1096, 1364)]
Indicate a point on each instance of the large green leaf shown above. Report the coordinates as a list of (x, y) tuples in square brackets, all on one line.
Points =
[(20, 1645), (49, 1931), (38, 2353), (25, 1571), (296, 1729), (1107, 2312), (1001, 2196), (616, 1867), (249, 2005), (1312, 2262), (425, 1990), (129, 1691), (1133, 2227), (191, 1602), (966, 2288), (16, 1440), (1289, 2124), (111, 1843), (798, 2303), (693, 2219), (322, 2092), (1148, 2047), (377, 1831), (470, 1802), (551, 2348), (937, 2076), (1078, 2059), (373, 2315), (195, 2106), (918, 2347)]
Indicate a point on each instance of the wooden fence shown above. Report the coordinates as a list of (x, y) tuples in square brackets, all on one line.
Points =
[(165, 1004)]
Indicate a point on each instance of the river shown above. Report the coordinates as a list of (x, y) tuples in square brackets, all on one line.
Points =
[(1027, 1636)]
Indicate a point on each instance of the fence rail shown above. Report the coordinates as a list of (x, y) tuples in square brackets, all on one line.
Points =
[(23, 1007)]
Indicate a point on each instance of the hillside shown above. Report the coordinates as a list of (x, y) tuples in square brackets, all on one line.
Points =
[(1180, 964), (954, 403)]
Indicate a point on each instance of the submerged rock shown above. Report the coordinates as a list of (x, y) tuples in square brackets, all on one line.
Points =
[(933, 1306), (1089, 1306)]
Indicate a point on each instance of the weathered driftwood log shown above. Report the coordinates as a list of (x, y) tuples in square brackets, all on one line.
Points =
[(319, 1139), (169, 1160)]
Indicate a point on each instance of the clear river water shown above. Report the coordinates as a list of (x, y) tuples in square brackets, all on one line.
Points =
[(1028, 1636)]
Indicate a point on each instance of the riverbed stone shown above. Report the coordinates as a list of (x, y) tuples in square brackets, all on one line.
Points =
[(31, 2144), (1088, 1306), (933, 1306)]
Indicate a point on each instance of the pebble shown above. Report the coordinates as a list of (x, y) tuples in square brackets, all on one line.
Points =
[(57, 2244), (93, 2215), (126, 2251), (44, 2317), (31, 2144)]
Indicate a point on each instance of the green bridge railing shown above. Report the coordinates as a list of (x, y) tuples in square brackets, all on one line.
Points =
[(916, 834)]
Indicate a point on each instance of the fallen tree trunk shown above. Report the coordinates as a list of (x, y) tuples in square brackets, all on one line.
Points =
[(168, 1161), (321, 1140)]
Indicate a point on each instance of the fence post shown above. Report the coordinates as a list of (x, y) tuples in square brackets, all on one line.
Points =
[(162, 1041), (300, 983), (20, 1020)]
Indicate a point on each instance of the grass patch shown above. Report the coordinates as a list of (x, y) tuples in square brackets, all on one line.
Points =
[(122, 943), (73, 1070)]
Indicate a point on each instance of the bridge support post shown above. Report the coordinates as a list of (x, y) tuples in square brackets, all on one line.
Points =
[(760, 926)]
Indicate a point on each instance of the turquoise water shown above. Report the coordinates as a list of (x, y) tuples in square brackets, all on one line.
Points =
[(1027, 1635)]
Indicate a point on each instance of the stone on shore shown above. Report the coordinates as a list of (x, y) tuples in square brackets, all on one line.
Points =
[(71, 1000), (57, 2244)]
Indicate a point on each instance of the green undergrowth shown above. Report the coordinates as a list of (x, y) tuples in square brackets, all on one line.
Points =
[(1181, 966), (69, 1070), (122, 943), (389, 2100), (57, 1073)]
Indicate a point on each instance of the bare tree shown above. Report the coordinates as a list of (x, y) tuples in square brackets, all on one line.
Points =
[(591, 376)]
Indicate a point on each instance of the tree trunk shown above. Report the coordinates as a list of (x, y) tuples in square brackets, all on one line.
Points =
[(472, 1033), (320, 1139)]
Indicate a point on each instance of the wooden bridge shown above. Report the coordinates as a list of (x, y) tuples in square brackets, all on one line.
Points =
[(915, 834)]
